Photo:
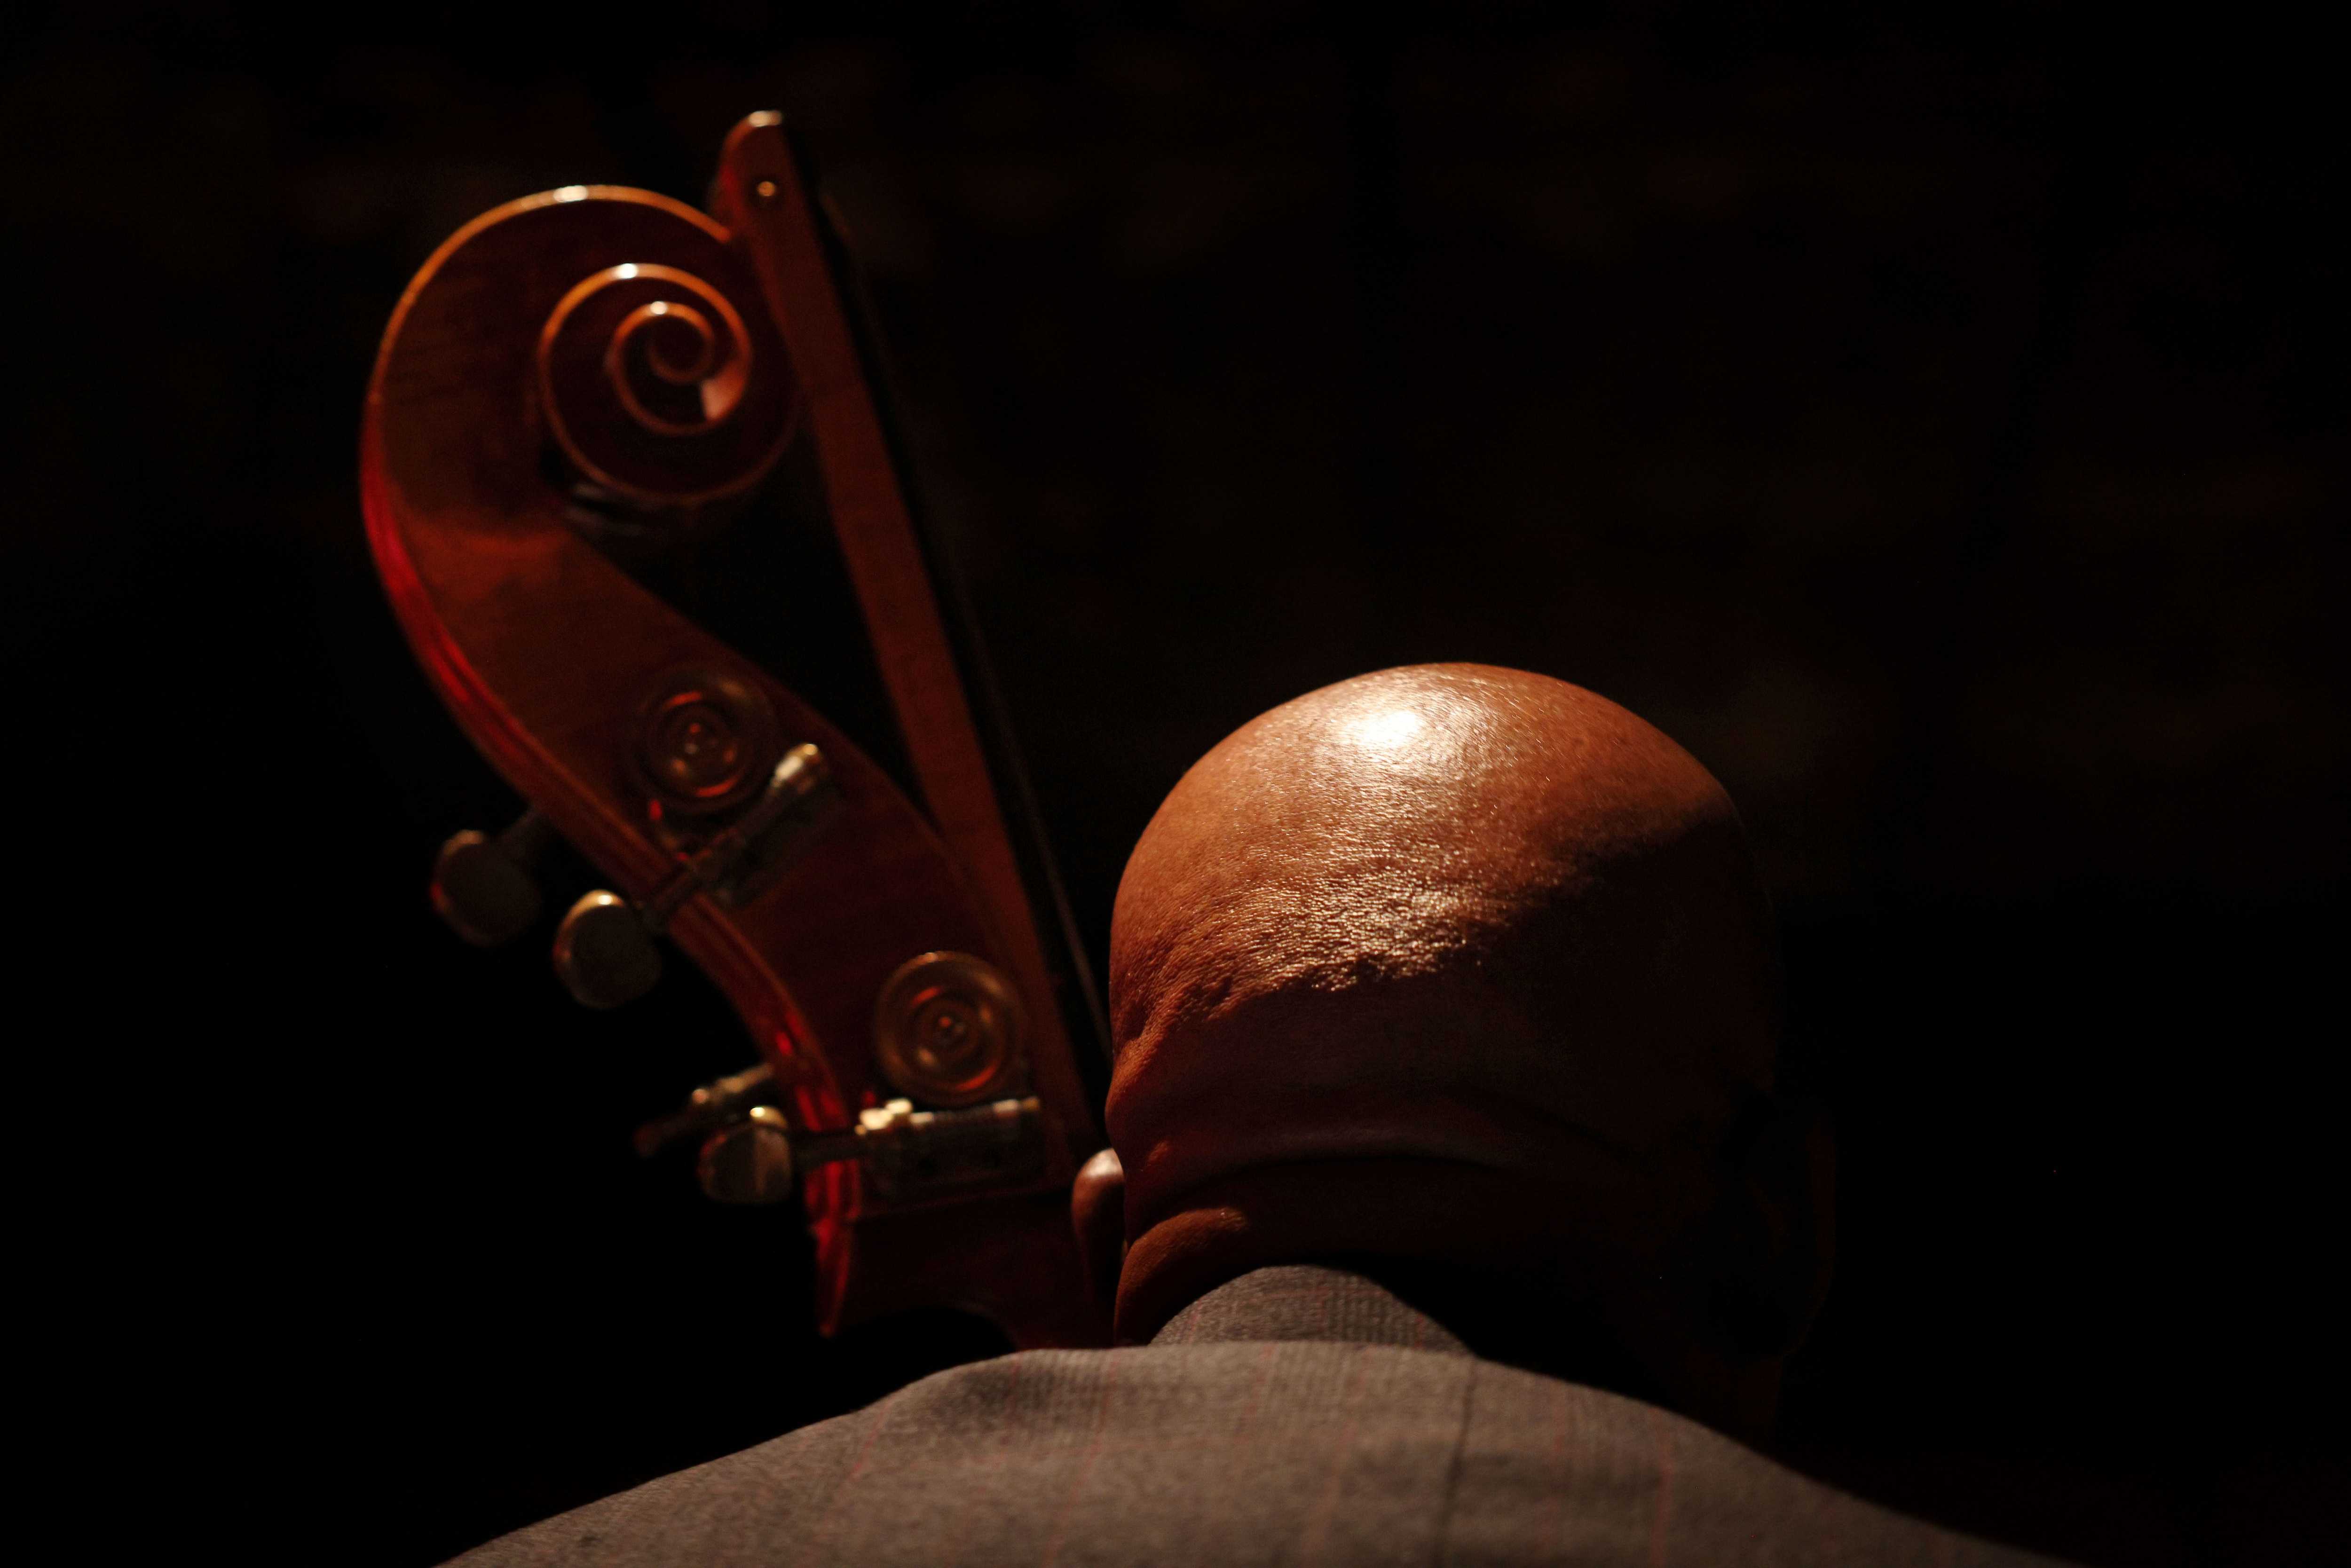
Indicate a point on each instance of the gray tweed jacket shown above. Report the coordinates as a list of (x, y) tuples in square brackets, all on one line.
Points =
[(1296, 1415)]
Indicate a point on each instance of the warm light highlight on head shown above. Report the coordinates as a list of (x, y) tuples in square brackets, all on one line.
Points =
[(1390, 731), (1449, 911)]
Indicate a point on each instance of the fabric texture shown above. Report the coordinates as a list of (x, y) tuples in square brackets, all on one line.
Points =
[(1297, 1416)]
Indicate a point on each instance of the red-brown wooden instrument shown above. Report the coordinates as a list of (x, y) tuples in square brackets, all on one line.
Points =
[(596, 413)]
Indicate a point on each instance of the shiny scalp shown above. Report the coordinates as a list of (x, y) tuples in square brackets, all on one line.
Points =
[(1448, 913)]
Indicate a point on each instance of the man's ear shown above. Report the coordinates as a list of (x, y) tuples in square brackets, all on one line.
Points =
[(1782, 1251), (1098, 1215)]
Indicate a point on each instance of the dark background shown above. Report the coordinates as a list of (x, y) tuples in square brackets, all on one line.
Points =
[(1938, 425)]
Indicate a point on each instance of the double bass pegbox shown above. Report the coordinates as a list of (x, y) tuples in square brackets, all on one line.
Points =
[(578, 406)]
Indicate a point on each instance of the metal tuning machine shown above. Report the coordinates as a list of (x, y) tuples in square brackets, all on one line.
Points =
[(758, 1158), (605, 950)]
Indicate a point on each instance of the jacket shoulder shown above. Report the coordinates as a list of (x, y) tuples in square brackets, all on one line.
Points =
[(1240, 1453)]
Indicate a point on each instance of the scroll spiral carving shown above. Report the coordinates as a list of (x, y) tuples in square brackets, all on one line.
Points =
[(659, 390)]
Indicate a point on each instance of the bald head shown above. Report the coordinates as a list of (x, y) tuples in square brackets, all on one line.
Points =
[(1428, 934), (1451, 912)]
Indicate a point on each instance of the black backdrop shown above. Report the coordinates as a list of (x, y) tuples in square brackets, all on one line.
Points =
[(1937, 426)]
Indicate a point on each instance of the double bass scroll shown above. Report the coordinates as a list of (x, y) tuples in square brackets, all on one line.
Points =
[(613, 447)]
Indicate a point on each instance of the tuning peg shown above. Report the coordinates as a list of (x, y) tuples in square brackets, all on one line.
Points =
[(711, 1106), (606, 949), (759, 1160), (750, 1162), (483, 886)]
